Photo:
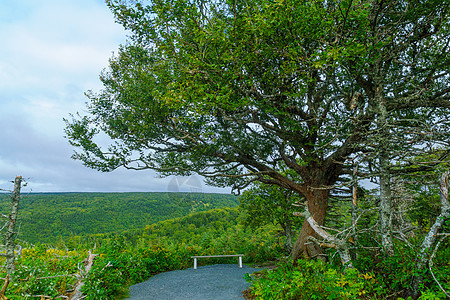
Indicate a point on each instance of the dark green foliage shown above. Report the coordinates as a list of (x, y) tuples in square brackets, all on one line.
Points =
[(269, 204), (425, 210), (216, 231), (266, 204), (48, 217), (427, 204)]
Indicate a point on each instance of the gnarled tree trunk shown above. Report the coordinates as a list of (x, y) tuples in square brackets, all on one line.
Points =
[(317, 201)]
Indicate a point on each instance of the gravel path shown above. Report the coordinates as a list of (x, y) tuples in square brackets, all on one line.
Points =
[(216, 282)]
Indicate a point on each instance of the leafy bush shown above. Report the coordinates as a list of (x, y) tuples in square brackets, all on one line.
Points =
[(394, 273), (312, 280), (43, 271), (121, 265)]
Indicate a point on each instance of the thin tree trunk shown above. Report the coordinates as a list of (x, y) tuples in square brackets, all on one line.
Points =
[(386, 209), (354, 212), (9, 237), (288, 233), (430, 239), (5, 286)]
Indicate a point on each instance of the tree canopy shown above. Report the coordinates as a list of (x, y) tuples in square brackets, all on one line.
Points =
[(239, 91)]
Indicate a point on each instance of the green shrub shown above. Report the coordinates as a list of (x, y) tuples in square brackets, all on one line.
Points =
[(120, 266), (43, 271), (312, 280), (394, 273)]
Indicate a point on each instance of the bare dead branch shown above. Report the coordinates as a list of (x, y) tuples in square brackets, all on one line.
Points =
[(329, 240), (430, 264), (430, 238), (77, 294), (5, 286)]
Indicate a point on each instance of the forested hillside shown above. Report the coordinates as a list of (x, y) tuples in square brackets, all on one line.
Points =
[(215, 231), (47, 217)]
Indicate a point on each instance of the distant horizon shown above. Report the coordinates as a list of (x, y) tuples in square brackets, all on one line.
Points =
[(127, 192)]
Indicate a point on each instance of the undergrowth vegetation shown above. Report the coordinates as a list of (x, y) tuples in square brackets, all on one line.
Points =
[(43, 271), (312, 279), (375, 275), (373, 278)]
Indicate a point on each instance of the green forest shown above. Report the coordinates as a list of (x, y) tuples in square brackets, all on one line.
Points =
[(49, 217)]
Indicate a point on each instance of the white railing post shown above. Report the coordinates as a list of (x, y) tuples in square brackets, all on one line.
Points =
[(209, 256)]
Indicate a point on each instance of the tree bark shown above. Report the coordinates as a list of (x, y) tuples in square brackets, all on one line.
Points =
[(288, 233), (317, 202), (5, 286), (9, 236), (354, 212), (386, 210), (385, 206), (88, 263), (287, 229), (329, 241), (430, 239)]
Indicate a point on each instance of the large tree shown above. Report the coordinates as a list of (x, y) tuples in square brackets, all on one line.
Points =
[(240, 91)]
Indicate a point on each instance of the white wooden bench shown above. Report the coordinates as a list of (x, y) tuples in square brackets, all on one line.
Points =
[(211, 256)]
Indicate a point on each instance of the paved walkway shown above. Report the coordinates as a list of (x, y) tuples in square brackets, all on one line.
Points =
[(216, 282)]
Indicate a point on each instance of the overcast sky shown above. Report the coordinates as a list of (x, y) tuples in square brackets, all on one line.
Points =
[(51, 52)]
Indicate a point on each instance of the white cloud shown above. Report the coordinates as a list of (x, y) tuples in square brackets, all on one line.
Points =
[(52, 52), (56, 42)]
